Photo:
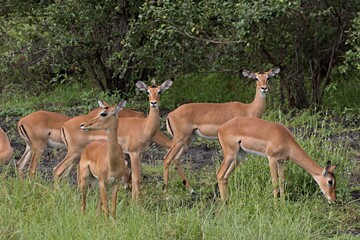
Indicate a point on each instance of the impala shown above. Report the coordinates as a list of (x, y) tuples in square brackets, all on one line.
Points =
[(135, 134), (76, 140), (6, 151), (274, 141), (203, 119), (39, 130), (103, 160)]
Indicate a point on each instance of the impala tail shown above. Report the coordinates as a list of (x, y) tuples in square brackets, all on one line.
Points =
[(168, 127), (63, 136), (23, 133)]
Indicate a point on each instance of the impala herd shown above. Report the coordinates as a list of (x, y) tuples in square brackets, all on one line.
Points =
[(96, 142)]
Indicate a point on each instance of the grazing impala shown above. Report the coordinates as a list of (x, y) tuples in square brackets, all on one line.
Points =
[(103, 160), (274, 141), (76, 140), (6, 151), (203, 119), (39, 130)]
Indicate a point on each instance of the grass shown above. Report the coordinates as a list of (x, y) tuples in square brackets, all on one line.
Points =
[(39, 209), (34, 209)]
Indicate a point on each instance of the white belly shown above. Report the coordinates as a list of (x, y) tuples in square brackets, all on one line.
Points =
[(56, 144), (253, 152)]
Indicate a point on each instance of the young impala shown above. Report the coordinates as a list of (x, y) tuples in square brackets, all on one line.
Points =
[(203, 119), (6, 151), (274, 141), (103, 160)]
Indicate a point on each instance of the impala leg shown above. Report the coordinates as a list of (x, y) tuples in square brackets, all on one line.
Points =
[(162, 140), (114, 192), (82, 175), (281, 173), (223, 174), (165, 142), (103, 195), (232, 153), (20, 165), (177, 162), (274, 175), (169, 157), (135, 174), (181, 172), (61, 169), (34, 160)]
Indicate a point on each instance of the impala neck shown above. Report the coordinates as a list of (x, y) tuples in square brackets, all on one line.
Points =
[(114, 150), (152, 121), (299, 156), (258, 104)]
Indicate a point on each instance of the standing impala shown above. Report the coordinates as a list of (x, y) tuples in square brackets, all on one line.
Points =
[(272, 140), (6, 151), (203, 119), (76, 140), (39, 130), (103, 160), (135, 134)]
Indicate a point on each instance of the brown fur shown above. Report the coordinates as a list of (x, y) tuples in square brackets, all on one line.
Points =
[(203, 119), (274, 141), (6, 152)]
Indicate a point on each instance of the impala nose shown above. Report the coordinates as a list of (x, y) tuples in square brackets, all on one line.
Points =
[(153, 104), (264, 89), (82, 126)]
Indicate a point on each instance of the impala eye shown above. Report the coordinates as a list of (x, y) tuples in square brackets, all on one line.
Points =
[(103, 114), (147, 92), (330, 182)]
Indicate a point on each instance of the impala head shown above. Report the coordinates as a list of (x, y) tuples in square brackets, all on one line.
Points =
[(105, 118), (261, 78), (327, 182), (154, 90)]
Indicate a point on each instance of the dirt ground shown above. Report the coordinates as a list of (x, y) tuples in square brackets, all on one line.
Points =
[(197, 157)]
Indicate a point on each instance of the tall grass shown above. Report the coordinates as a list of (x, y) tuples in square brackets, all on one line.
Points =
[(38, 209)]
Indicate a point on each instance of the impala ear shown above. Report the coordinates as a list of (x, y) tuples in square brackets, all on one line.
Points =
[(328, 168), (141, 86), (332, 168), (249, 74), (273, 72), (120, 106), (166, 85), (101, 104)]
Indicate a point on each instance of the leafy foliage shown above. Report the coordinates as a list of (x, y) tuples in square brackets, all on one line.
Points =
[(110, 44)]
